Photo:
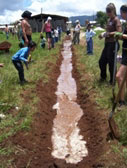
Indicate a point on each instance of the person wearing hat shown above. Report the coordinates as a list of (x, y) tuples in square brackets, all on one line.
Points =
[(76, 37), (108, 53), (26, 28), (89, 39), (47, 27)]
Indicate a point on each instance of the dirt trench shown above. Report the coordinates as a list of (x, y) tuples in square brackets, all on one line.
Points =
[(36, 146)]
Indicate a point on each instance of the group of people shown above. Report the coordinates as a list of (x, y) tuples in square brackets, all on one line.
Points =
[(113, 33), (88, 34), (27, 45), (14, 31), (52, 35)]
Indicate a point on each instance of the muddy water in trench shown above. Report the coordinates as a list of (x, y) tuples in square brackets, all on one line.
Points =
[(67, 142)]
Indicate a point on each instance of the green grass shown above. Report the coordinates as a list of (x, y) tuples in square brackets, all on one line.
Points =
[(10, 90), (102, 91), (19, 113)]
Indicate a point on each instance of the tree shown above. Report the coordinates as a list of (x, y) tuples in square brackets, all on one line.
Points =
[(101, 18)]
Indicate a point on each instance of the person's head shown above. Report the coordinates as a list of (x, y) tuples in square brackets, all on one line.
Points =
[(89, 26), (49, 19), (77, 21), (26, 14), (32, 45), (6, 25), (111, 10), (123, 11)]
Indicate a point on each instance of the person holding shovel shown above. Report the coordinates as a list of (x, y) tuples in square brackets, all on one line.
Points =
[(22, 55), (123, 68), (108, 53)]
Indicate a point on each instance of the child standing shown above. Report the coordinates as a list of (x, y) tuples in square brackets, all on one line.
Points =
[(89, 34), (52, 38), (22, 55), (43, 41)]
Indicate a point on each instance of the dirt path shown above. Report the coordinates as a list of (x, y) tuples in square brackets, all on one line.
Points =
[(35, 147)]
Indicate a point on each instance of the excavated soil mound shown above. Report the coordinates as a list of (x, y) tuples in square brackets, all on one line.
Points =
[(36, 145)]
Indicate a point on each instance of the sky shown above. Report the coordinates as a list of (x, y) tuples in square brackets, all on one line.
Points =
[(11, 10)]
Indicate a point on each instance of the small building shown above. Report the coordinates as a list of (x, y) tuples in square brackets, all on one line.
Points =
[(37, 20)]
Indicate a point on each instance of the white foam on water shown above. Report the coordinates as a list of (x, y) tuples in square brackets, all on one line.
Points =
[(67, 142)]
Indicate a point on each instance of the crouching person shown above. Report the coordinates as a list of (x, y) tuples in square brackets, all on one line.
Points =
[(22, 55)]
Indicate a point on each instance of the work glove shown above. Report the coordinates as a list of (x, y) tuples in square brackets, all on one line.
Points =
[(118, 35), (29, 58)]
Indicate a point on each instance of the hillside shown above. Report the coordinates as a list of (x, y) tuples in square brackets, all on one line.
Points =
[(82, 18)]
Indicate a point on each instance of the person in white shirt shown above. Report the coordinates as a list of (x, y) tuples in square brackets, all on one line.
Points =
[(56, 35), (89, 34), (76, 37)]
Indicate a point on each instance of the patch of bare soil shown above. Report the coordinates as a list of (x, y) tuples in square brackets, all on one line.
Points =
[(35, 145)]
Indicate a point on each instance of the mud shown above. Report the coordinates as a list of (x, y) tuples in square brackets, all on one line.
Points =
[(68, 144), (35, 147), (5, 45)]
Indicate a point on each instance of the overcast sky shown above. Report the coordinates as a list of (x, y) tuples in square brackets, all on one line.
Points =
[(11, 10)]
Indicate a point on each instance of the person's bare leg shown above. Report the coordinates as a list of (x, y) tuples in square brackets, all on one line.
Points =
[(119, 77)]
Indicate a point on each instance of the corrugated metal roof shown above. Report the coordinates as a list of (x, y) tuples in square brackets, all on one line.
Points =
[(46, 15)]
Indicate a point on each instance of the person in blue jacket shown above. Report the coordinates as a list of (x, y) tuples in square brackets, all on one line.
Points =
[(22, 55)]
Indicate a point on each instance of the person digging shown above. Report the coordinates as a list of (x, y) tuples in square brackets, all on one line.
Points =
[(22, 55)]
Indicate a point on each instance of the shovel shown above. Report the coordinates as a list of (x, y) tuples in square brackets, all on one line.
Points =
[(112, 125), (114, 70)]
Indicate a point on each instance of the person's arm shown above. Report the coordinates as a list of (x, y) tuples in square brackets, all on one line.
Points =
[(124, 36), (24, 31), (93, 33), (23, 54), (22, 58), (120, 36), (43, 26)]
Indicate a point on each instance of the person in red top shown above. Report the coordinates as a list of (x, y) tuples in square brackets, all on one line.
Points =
[(47, 27)]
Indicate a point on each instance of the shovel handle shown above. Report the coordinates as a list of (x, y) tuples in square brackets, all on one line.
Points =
[(118, 95)]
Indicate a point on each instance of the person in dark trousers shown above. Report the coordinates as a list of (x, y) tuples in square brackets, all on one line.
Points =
[(123, 67), (22, 55), (26, 28), (108, 53)]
